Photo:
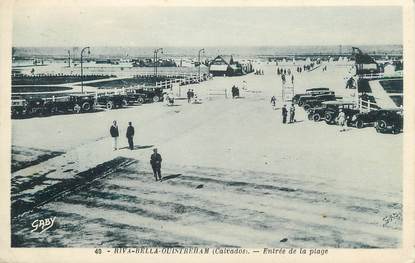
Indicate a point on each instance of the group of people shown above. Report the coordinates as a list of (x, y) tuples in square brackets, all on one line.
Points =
[(285, 112), (155, 158), (190, 95), (168, 98), (114, 132), (259, 72), (235, 92)]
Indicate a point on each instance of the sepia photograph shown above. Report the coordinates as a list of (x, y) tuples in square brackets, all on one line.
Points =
[(228, 128)]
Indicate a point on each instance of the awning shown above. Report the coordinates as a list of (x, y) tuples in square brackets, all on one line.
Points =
[(218, 68)]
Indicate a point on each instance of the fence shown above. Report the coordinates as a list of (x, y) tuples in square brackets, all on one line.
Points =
[(366, 105)]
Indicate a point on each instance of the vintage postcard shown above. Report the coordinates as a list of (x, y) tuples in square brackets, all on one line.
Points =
[(211, 131)]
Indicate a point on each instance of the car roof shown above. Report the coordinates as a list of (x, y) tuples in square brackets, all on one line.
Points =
[(337, 102), (317, 89)]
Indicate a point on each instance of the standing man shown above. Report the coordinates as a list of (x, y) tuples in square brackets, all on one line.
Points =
[(189, 96), (292, 113), (155, 161), (284, 113), (114, 134), (130, 136), (341, 119)]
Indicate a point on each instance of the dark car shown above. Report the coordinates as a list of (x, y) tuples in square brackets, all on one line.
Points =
[(35, 106), (18, 107), (112, 101), (145, 94), (389, 120), (318, 113), (363, 119), (333, 109), (311, 92), (70, 103), (308, 102)]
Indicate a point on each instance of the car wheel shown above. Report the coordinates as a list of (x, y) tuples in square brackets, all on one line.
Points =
[(306, 107), (110, 105), (329, 118), (140, 100), (316, 117), (382, 124), (156, 98), (359, 124), (310, 116), (86, 106), (300, 103)]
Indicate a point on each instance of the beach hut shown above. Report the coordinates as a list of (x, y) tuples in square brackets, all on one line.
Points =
[(227, 66)]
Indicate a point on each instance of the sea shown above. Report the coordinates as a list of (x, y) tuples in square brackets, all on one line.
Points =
[(192, 52)]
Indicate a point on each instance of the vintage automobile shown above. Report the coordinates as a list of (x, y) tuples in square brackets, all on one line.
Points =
[(333, 108), (311, 92), (111, 101), (35, 106), (18, 107), (315, 101), (144, 94), (70, 103), (303, 100), (363, 119), (389, 120)]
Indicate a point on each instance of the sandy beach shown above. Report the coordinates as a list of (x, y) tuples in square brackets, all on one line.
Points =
[(236, 176)]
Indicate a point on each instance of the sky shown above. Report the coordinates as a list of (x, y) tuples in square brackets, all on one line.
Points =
[(206, 26)]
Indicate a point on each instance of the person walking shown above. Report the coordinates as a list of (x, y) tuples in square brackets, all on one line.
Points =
[(114, 134), (292, 113), (155, 161), (130, 136), (273, 102), (284, 113), (341, 120), (292, 78)]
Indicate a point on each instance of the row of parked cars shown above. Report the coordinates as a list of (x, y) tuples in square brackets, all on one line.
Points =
[(30, 106), (321, 104)]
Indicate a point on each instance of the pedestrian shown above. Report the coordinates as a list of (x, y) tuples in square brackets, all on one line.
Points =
[(114, 134), (192, 94), (273, 101), (189, 96), (130, 135), (284, 113), (292, 79), (233, 91), (292, 113), (341, 119), (155, 161)]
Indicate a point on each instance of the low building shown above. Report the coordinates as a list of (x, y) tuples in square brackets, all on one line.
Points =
[(227, 66)]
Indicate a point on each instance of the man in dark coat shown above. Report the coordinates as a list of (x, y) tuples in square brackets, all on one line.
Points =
[(114, 134), (155, 161), (284, 114), (189, 95), (130, 136)]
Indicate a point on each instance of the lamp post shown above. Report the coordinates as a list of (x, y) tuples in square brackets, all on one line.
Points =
[(156, 59), (200, 51), (82, 69)]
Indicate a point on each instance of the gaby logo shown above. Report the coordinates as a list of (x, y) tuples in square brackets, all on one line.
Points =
[(43, 224)]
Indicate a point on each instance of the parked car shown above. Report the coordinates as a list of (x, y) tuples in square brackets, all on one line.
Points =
[(18, 107), (389, 120), (363, 119), (308, 102), (311, 92), (73, 102), (332, 111), (112, 101), (35, 106), (318, 113), (145, 94)]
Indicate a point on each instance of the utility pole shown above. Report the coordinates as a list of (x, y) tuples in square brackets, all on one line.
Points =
[(69, 58), (156, 59), (82, 69), (200, 51)]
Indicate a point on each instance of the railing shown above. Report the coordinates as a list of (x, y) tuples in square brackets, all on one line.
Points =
[(366, 105)]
